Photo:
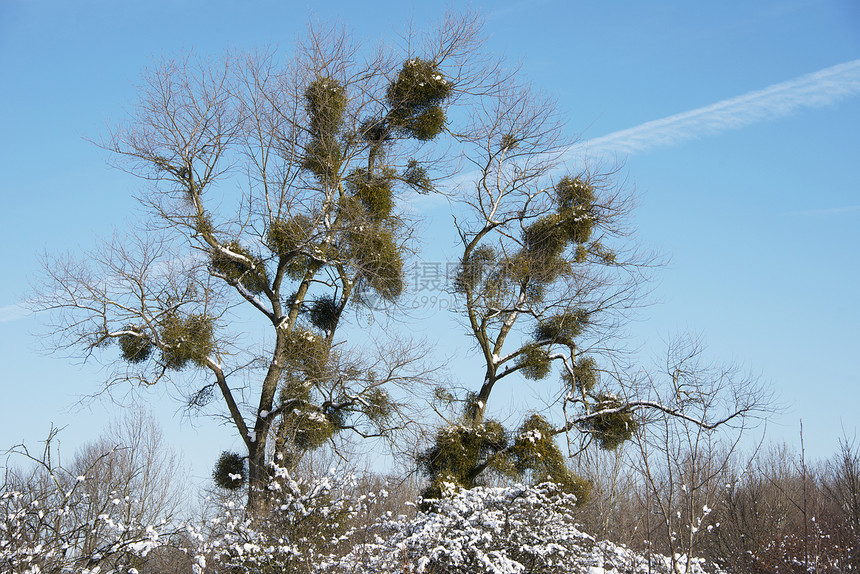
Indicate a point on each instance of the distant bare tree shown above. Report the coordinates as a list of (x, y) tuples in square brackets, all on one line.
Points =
[(683, 462), (116, 502), (132, 463), (843, 483), (840, 514), (612, 511)]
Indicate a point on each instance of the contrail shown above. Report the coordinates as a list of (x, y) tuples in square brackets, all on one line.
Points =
[(823, 88)]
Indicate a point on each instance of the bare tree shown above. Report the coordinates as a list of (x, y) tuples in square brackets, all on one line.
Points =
[(843, 488), (548, 273), (117, 501), (275, 195), (133, 463), (612, 511), (779, 514), (683, 462)]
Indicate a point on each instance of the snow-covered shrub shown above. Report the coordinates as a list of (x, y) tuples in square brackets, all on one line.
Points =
[(112, 507), (490, 530), (320, 525), (54, 521), (310, 522), (508, 530)]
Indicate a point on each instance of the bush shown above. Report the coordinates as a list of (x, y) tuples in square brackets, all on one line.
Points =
[(510, 530), (109, 512)]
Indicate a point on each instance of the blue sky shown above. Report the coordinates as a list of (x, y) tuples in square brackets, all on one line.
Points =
[(736, 122)]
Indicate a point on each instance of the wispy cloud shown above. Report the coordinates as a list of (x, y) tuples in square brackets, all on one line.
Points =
[(13, 312), (823, 88), (831, 211)]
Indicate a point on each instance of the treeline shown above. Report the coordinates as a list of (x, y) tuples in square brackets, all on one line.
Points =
[(773, 512)]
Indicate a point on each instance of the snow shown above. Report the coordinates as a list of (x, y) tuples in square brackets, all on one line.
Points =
[(318, 417), (502, 530), (510, 530), (532, 436)]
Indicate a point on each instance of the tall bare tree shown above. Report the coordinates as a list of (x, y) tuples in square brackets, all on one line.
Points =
[(275, 192), (548, 272)]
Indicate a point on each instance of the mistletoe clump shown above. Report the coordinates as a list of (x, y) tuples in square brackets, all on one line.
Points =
[(229, 472), (452, 457), (325, 102), (585, 375), (373, 191), (534, 362), (474, 268), (186, 339), (575, 199), (535, 452), (379, 406), (308, 353), (287, 237), (312, 428), (416, 97), (415, 176), (562, 328), (250, 273), (569, 225), (378, 259), (614, 426), (134, 345), (325, 313)]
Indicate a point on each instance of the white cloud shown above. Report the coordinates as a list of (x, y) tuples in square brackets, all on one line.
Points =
[(819, 89), (13, 312)]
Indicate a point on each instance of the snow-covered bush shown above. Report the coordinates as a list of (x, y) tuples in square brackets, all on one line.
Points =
[(510, 530), (53, 520), (310, 523), (331, 524)]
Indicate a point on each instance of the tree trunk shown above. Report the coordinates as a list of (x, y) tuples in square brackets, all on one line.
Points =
[(257, 478)]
